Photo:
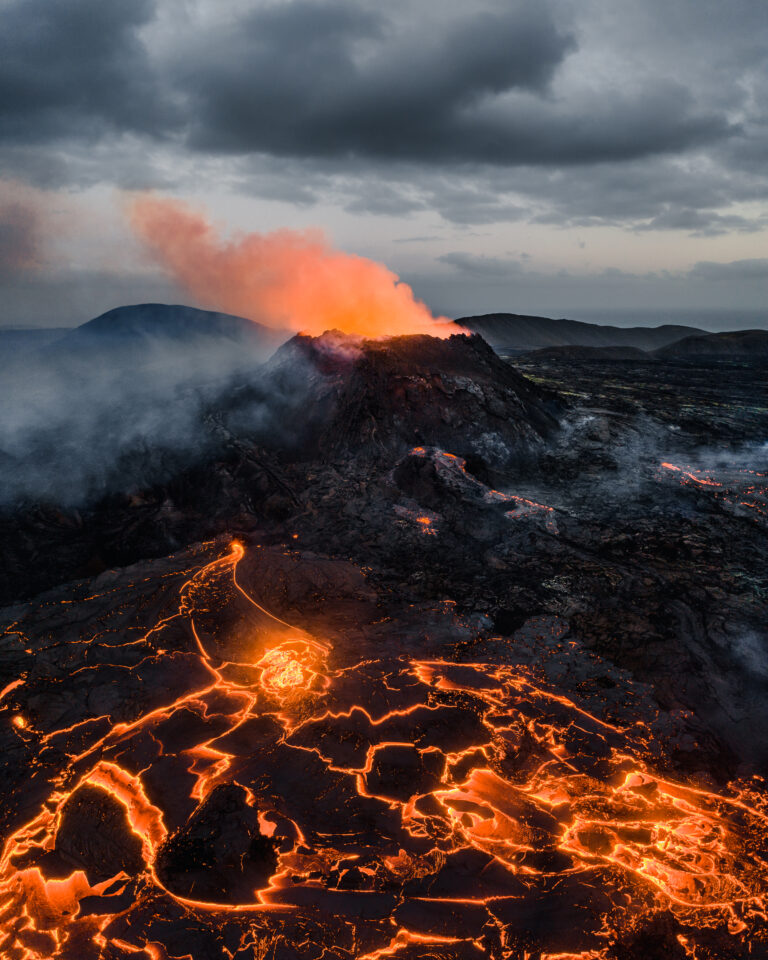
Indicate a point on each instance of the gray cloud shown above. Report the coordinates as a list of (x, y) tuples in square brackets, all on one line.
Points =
[(320, 79), (480, 267), (702, 223), (76, 69), (755, 269), (657, 193), (424, 239), (468, 264), (335, 79), (644, 116), (19, 237)]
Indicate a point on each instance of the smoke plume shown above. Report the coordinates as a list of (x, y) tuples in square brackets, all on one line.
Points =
[(286, 279), (85, 419)]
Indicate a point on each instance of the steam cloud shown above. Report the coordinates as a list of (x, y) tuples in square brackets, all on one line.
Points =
[(286, 279), (78, 424)]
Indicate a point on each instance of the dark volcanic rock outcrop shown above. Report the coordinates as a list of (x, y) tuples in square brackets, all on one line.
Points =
[(503, 713), (220, 855), (590, 353), (331, 399), (340, 397)]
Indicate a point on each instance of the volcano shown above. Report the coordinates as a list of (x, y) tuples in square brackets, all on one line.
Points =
[(414, 653), (330, 399), (341, 396)]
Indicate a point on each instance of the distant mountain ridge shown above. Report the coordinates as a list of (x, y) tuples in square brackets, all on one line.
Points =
[(733, 343), (164, 321), (519, 333), (136, 332)]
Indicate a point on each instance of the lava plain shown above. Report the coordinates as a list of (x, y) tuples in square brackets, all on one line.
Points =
[(453, 681), (229, 785)]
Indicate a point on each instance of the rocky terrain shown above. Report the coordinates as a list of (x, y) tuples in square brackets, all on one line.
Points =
[(420, 654), (740, 343)]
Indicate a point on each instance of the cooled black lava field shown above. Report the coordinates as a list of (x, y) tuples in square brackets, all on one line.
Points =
[(423, 653)]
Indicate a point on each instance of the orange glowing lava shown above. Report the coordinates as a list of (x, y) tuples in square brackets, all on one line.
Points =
[(288, 279), (292, 668), (430, 805), (741, 492)]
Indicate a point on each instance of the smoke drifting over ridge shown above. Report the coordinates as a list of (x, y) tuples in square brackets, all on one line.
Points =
[(285, 279), (95, 414)]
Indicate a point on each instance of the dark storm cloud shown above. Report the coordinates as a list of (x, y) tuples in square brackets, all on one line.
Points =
[(646, 116), (76, 69), (305, 79), (331, 79)]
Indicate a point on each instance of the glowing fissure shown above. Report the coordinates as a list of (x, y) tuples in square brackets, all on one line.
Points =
[(743, 492), (457, 757), (453, 470)]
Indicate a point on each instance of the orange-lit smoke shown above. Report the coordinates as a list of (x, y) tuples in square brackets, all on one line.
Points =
[(287, 279)]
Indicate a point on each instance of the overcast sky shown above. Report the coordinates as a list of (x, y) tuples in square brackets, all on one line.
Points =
[(585, 158)]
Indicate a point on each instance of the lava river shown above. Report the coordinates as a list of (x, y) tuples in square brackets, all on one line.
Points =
[(286, 799)]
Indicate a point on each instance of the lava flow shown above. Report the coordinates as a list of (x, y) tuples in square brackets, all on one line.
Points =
[(453, 474), (740, 491), (290, 797)]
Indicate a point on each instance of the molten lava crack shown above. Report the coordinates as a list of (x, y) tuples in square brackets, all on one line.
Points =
[(390, 806)]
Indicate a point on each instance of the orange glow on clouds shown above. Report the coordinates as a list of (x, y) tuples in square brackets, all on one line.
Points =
[(289, 279)]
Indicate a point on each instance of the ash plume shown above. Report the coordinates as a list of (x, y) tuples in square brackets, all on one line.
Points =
[(288, 279)]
